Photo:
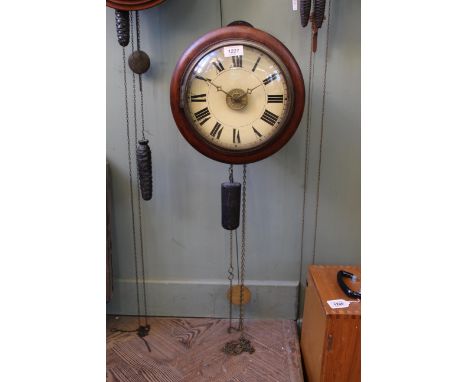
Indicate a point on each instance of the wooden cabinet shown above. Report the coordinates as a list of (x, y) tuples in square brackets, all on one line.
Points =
[(331, 338)]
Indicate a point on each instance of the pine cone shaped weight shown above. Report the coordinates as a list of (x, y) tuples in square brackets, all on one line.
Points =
[(145, 169), (304, 10), (122, 23), (319, 12)]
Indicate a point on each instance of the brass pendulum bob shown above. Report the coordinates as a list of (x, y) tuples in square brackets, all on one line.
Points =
[(234, 294)]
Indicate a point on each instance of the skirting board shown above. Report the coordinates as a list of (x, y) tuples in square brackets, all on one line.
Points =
[(205, 298)]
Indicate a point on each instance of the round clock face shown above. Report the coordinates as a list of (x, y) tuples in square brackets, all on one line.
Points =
[(236, 97)]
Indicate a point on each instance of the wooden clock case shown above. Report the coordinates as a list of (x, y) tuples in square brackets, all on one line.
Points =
[(203, 44)]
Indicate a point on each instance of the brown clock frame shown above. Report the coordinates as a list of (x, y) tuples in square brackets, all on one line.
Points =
[(132, 5), (186, 128)]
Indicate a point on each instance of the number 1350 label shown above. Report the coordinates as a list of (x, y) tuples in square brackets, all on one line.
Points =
[(336, 304), (233, 50)]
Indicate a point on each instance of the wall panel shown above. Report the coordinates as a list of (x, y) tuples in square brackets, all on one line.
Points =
[(186, 249)]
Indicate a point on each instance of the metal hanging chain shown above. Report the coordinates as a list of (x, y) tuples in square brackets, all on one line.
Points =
[(241, 345), (324, 86), (243, 239), (130, 177), (307, 148), (141, 331), (145, 304), (137, 17), (231, 268), (231, 179)]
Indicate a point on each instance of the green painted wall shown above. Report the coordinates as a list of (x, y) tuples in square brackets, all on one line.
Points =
[(186, 249)]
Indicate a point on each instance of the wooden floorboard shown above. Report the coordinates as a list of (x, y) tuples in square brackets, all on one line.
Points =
[(190, 350)]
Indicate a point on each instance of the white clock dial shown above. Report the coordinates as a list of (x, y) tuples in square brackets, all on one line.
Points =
[(237, 102)]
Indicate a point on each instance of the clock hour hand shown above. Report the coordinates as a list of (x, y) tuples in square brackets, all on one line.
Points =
[(207, 80), (220, 89)]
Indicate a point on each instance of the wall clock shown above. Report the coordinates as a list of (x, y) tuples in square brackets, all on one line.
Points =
[(237, 94)]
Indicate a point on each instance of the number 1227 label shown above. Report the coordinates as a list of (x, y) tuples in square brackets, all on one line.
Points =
[(233, 50)]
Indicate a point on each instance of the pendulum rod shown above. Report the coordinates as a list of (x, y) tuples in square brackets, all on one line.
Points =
[(145, 305)]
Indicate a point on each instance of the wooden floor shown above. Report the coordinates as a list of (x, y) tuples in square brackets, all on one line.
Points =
[(190, 350)]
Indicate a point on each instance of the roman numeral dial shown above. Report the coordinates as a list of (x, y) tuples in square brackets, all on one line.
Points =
[(216, 131), (198, 98), (202, 115), (236, 136), (219, 66), (275, 98), (256, 132), (270, 78), (237, 99), (237, 61), (269, 117), (256, 63)]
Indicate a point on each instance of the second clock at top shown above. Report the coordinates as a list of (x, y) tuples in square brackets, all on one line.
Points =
[(237, 95)]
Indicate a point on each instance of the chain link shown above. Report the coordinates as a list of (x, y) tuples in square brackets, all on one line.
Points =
[(139, 201), (141, 331), (137, 18), (130, 177), (243, 240), (137, 14), (231, 173), (322, 117), (310, 92), (140, 225), (241, 345)]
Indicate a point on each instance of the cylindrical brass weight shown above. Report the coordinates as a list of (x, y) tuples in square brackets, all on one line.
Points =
[(230, 205)]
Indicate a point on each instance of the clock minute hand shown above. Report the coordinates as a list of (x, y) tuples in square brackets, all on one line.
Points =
[(207, 80), (249, 91)]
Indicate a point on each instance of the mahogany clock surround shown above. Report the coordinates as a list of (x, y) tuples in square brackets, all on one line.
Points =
[(132, 5), (255, 36)]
